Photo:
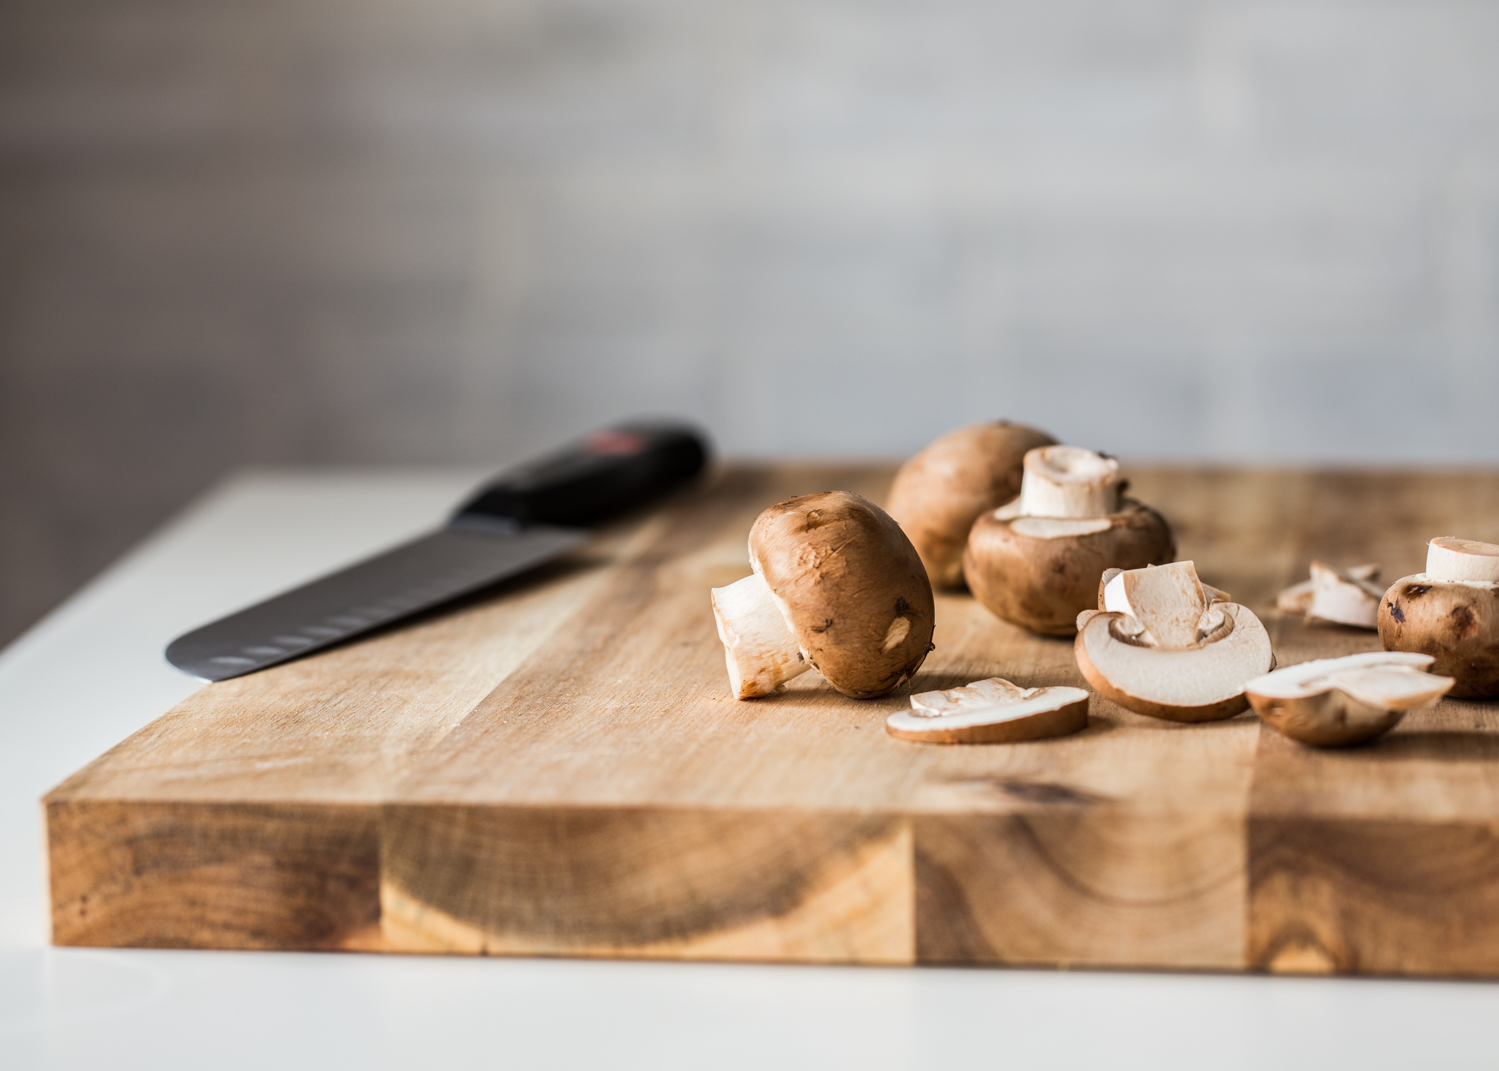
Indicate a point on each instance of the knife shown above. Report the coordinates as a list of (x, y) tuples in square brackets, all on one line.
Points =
[(525, 516)]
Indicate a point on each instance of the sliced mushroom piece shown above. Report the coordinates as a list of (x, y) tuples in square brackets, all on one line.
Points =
[(1451, 612), (1334, 702), (1038, 561), (940, 491), (849, 588), (761, 652), (1340, 598), (1297, 599), (995, 691), (1169, 651), (991, 711)]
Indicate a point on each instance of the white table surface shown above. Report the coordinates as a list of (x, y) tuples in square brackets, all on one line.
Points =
[(92, 673)]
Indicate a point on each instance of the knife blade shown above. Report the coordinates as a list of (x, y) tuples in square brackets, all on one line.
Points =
[(525, 516)]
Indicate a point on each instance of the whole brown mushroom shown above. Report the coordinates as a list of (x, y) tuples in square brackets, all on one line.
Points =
[(940, 492), (1451, 612), (837, 587), (1037, 561)]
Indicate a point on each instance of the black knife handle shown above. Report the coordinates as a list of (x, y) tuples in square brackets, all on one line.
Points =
[(603, 474)]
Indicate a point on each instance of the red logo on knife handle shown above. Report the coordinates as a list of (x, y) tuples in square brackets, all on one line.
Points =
[(615, 443)]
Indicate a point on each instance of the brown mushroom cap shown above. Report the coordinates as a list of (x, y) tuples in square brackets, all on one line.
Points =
[(1043, 583), (852, 587), (1456, 622), (939, 493)]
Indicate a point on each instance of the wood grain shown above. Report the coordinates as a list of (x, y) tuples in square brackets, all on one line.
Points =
[(299, 758), (559, 769)]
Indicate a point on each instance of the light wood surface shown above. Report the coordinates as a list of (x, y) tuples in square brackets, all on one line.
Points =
[(559, 769)]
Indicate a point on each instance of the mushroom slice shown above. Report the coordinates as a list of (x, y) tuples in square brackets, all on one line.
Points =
[(978, 695), (992, 711), (1450, 558), (761, 652), (1333, 702), (1160, 647), (1341, 598), (1297, 599)]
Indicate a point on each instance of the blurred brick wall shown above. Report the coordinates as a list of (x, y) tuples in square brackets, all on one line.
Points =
[(450, 230)]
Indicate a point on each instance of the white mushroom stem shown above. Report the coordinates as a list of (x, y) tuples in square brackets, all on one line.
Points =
[(1343, 599), (1168, 601), (1449, 558), (1068, 481), (761, 653)]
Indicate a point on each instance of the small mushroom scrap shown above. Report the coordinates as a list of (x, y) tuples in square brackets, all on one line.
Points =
[(1451, 612), (1163, 643), (940, 491), (992, 711), (837, 587), (1036, 562), (1334, 702), (1335, 596)]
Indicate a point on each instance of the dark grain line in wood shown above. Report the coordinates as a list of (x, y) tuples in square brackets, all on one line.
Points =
[(177, 875), (583, 877)]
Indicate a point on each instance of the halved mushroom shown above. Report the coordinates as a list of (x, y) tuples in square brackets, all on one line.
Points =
[(940, 491), (1451, 612), (1333, 702), (1037, 561), (837, 587), (991, 711), (1161, 645), (1298, 598)]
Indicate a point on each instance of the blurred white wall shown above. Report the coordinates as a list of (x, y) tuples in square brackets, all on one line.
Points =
[(451, 228), (431, 230)]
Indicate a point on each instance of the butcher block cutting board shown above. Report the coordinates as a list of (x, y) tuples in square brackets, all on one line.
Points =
[(557, 768)]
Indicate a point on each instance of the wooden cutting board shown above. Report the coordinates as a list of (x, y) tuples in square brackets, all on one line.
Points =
[(558, 769)]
